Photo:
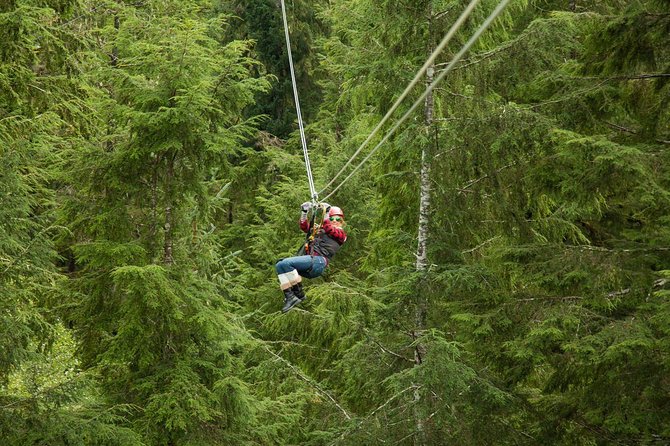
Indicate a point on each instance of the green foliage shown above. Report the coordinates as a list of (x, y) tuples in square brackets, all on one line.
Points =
[(50, 401), (143, 211), (43, 398), (143, 298), (261, 22)]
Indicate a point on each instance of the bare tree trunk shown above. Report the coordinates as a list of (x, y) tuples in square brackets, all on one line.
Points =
[(115, 50), (424, 204), (420, 439), (154, 201), (167, 246)]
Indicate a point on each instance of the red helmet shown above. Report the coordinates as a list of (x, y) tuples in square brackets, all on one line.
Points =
[(334, 210)]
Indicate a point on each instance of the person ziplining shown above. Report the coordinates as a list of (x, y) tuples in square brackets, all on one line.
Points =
[(324, 235), (324, 240)]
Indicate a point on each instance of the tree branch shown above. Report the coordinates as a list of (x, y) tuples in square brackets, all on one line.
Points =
[(532, 299), (439, 15), (371, 414), (309, 381), (475, 181), (386, 350), (634, 132), (609, 296), (468, 251), (506, 424), (602, 249), (660, 283), (569, 96), (478, 58), (631, 77)]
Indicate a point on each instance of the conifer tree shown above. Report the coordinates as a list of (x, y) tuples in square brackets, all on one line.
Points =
[(42, 401), (484, 223), (142, 212), (556, 253), (261, 21), (392, 61), (145, 304)]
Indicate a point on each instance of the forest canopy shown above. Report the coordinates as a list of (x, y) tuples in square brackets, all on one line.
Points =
[(506, 273)]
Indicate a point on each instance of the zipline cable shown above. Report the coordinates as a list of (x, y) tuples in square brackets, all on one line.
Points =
[(454, 61), (454, 28), (303, 140)]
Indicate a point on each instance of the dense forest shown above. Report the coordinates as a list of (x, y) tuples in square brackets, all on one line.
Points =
[(506, 277)]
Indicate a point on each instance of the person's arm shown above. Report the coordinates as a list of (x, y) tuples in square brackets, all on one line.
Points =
[(334, 232), (304, 209), (304, 225)]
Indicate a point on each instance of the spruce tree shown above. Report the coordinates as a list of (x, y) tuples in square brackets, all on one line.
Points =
[(261, 21), (44, 399), (143, 212), (560, 246), (147, 312)]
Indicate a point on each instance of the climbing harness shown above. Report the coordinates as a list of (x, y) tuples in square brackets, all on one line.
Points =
[(501, 6), (303, 140), (313, 229)]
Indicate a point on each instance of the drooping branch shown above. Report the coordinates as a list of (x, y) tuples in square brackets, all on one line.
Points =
[(631, 131), (374, 412), (464, 189), (309, 381), (603, 249), (385, 349), (630, 77), (481, 57), (486, 242)]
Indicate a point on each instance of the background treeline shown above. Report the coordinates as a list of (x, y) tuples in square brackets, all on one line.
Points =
[(150, 177)]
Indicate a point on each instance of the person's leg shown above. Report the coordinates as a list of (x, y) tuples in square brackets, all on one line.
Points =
[(288, 273), (306, 266), (292, 268), (285, 272), (284, 268), (318, 265)]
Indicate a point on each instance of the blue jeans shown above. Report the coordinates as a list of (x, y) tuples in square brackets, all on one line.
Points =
[(307, 266)]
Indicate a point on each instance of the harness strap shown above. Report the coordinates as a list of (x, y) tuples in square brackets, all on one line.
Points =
[(312, 231)]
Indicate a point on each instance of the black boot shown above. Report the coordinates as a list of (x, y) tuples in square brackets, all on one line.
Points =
[(290, 300), (297, 290)]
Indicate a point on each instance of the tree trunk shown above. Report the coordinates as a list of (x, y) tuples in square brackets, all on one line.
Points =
[(424, 203), (115, 50), (154, 203), (420, 439), (572, 5), (167, 246)]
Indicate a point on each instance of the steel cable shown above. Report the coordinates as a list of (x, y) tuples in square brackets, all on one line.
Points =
[(501, 6)]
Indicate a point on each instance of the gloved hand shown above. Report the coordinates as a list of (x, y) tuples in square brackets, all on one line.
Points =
[(305, 207), (326, 208)]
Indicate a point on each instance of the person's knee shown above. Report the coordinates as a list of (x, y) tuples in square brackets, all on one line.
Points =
[(282, 267)]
